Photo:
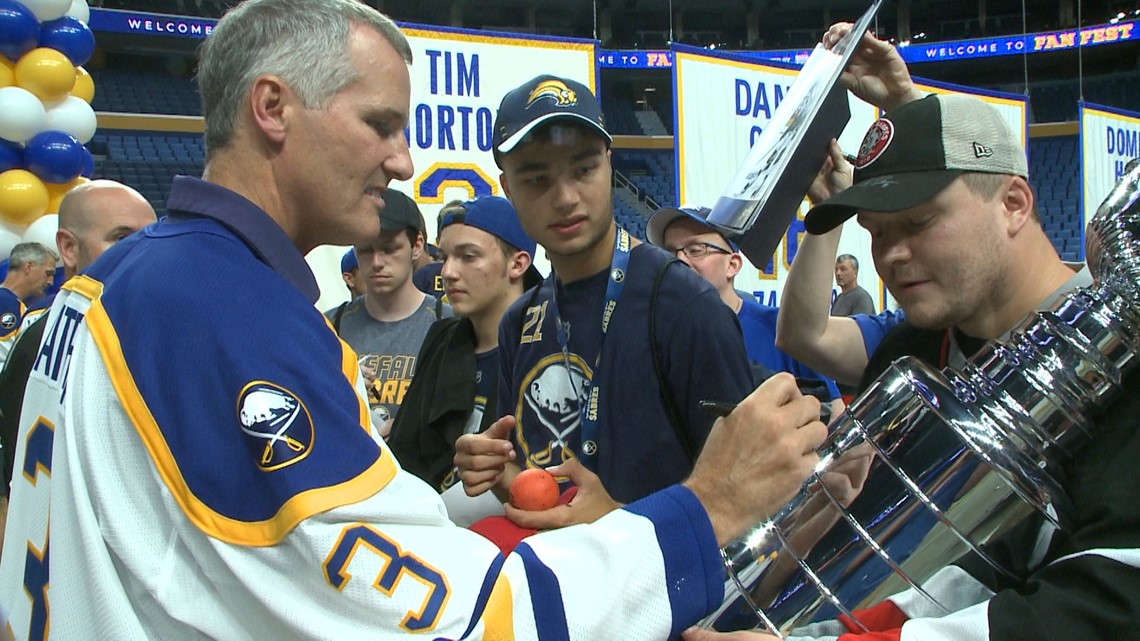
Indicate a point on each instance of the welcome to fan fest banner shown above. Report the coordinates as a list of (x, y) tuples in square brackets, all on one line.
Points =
[(721, 104), (1109, 139), (458, 78)]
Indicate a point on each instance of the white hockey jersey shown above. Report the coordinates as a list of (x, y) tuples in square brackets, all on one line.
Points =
[(196, 461)]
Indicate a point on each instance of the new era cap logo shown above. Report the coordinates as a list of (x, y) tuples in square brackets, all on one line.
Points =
[(982, 151), (555, 90)]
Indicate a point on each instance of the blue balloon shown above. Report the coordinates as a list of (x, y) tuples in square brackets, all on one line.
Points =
[(88, 164), (11, 156), (69, 36), (54, 156), (19, 29)]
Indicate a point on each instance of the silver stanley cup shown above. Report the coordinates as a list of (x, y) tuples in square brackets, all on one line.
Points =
[(952, 459)]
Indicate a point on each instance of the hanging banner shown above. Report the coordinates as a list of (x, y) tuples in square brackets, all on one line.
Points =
[(722, 102), (458, 79), (1108, 141)]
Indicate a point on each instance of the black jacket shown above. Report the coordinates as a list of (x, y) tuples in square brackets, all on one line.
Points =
[(439, 402)]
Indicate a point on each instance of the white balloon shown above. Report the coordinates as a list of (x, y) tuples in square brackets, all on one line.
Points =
[(21, 114), (79, 10), (42, 231), (74, 116), (10, 236), (46, 10)]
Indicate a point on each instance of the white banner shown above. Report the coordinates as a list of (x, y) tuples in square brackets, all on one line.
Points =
[(458, 79), (722, 104), (1108, 141)]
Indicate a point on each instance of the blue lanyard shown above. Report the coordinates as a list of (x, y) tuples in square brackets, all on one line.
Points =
[(588, 412)]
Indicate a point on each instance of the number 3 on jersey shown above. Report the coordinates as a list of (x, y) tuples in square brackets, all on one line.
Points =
[(37, 460), (396, 565)]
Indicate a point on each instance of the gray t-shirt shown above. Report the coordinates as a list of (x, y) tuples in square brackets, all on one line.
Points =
[(387, 350), (856, 301)]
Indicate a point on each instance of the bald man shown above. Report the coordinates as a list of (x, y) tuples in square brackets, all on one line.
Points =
[(92, 217)]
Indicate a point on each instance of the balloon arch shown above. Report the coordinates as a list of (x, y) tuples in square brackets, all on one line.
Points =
[(45, 114)]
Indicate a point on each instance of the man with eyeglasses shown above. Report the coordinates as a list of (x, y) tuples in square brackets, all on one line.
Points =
[(683, 232)]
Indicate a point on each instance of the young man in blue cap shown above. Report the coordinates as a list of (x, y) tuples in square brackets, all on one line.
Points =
[(607, 362), (683, 232), (486, 266)]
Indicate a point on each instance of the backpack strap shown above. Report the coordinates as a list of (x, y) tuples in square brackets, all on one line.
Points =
[(671, 407), (337, 317), (439, 307)]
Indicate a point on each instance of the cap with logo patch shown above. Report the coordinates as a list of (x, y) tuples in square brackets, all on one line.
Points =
[(662, 218), (911, 154), (543, 99)]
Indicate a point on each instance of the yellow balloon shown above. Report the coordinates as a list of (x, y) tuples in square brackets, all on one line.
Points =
[(46, 73), (7, 72), (84, 88), (56, 192), (23, 197)]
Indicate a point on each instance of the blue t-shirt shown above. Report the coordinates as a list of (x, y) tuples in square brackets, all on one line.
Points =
[(428, 280), (758, 322), (701, 351), (874, 328)]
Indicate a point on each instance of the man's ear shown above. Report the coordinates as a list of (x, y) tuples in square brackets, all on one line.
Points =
[(519, 263), (270, 101), (68, 246), (1018, 205), (735, 264), (418, 247)]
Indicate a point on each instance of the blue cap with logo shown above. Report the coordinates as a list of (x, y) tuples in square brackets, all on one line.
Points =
[(662, 218), (542, 99), (496, 216), (348, 261)]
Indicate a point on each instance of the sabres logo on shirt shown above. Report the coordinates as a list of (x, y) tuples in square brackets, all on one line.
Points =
[(555, 90), (278, 422), (8, 320), (549, 401)]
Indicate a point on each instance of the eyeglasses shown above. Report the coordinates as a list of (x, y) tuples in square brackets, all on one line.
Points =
[(699, 250)]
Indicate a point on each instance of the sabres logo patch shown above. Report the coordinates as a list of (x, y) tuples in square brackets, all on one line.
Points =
[(8, 320), (555, 90), (279, 423)]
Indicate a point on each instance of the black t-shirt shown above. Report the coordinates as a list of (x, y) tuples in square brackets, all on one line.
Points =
[(1087, 585)]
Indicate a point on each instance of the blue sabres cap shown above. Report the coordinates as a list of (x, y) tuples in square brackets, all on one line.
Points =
[(496, 216), (542, 99), (348, 262), (662, 218)]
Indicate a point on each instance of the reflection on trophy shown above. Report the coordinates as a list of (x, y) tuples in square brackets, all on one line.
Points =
[(926, 466)]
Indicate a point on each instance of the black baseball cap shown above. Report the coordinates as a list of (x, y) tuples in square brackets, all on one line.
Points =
[(399, 212), (543, 99), (911, 154)]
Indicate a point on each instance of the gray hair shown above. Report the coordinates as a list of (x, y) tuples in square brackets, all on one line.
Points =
[(33, 253), (848, 257), (305, 42)]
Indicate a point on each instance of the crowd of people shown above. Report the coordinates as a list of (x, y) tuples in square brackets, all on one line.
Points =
[(204, 454)]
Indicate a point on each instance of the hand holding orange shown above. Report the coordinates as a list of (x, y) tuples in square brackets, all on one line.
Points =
[(534, 489)]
